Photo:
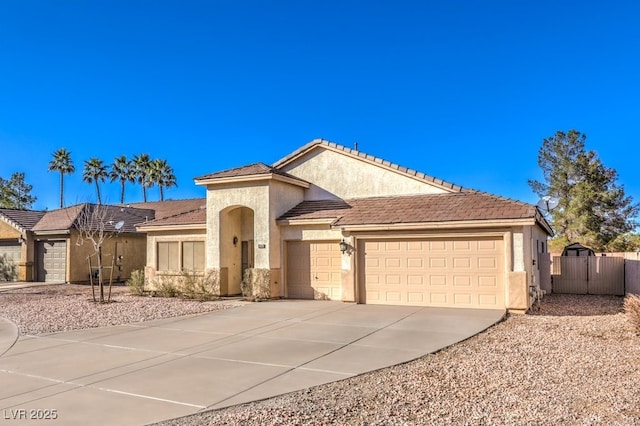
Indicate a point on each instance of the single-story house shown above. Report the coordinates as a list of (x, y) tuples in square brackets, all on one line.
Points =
[(16, 243), (330, 222), (46, 245)]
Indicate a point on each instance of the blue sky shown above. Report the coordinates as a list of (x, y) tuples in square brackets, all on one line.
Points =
[(461, 90)]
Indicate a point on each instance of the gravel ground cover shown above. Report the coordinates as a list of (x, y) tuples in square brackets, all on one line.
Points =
[(575, 361), (63, 307)]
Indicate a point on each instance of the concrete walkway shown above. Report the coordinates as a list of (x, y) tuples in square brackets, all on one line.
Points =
[(146, 372)]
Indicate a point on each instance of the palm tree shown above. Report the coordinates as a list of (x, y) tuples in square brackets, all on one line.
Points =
[(162, 175), (62, 163), (95, 172), (122, 170), (142, 171)]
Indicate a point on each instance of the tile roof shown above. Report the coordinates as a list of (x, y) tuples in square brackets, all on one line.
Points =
[(376, 160), (58, 220), (24, 219), (450, 207), (163, 209), (192, 217), (67, 218), (249, 170)]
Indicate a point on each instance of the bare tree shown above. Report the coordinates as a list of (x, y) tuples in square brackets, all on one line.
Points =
[(95, 225)]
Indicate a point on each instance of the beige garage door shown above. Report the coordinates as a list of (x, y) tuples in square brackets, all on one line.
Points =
[(313, 270), (52, 261), (456, 272)]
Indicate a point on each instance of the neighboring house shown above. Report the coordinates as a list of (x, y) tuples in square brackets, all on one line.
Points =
[(16, 244), (60, 255), (329, 222), (46, 246)]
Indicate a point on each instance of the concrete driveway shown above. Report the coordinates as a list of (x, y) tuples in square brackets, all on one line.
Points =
[(146, 372)]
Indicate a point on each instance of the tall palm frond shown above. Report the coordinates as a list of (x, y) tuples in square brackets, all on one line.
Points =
[(95, 172), (62, 163)]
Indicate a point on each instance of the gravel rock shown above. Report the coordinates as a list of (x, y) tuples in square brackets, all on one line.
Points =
[(64, 307), (572, 362)]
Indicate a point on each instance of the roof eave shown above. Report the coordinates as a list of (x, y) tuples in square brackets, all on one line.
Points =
[(251, 178), (52, 232), (158, 228), (483, 223), (303, 222), (13, 224)]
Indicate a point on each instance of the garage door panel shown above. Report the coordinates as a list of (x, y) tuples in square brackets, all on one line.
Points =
[(462, 299), (437, 280), (489, 300), (415, 246), (461, 281), (487, 263), (437, 246), (461, 246), (488, 281), (464, 272), (438, 299), (415, 280), (461, 263), (437, 262), (415, 297)]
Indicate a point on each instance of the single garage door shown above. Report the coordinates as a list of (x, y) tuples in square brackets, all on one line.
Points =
[(52, 261), (313, 270), (10, 253), (455, 272)]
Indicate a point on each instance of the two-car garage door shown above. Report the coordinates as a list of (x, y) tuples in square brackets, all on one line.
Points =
[(447, 272)]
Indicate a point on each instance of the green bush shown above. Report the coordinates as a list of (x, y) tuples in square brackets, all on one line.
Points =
[(632, 310), (136, 282)]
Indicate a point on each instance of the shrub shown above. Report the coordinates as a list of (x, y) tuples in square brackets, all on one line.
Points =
[(256, 284), (8, 269), (136, 282), (166, 286), (200, 287), (632, 310)]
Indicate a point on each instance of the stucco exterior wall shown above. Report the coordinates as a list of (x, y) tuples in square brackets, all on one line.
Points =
[(526, 241), (154, 237), (254, 196), (248, 211), (336, 175), (8, 232), (132, 248)]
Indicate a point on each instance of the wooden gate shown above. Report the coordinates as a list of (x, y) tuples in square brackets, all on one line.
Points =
[(588, 275)]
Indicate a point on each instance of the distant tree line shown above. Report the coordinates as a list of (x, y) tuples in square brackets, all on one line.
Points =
[(140, 169)]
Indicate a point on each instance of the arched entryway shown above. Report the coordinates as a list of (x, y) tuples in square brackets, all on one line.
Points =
[(236, 246)]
